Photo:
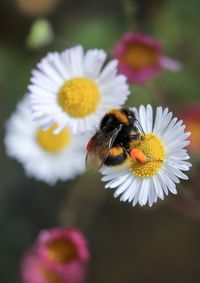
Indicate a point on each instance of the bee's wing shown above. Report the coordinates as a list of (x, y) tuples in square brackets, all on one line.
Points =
[(102, 144), (93, 161)]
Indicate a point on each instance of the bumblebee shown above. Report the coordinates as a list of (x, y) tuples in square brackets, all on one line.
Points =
[(112, 143)]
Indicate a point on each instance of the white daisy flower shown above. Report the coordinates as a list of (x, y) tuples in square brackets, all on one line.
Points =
[(71, 89), (45, 156), (164, 144)]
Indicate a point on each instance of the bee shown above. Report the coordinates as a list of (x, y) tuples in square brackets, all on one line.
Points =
[(112, 143)]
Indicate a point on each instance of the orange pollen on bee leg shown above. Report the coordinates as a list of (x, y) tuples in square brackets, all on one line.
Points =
[(115, 151), (138, 155)]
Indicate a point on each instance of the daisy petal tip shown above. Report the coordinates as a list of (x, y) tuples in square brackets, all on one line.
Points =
[(174, 192), (150, 204), (107, 186), (115, 196), (162, 197)]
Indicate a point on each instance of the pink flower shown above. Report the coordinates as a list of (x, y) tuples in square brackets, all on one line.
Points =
[(58, 256), (141, 57), (191, 116)]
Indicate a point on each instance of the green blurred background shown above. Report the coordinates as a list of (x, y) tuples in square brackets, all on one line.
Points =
[(161, 244)]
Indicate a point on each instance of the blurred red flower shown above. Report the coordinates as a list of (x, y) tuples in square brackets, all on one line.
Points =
[(58, 256), (141, 57)]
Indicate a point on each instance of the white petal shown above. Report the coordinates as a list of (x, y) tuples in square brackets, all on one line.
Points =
[(149, 118), (131, 191), (152, 195), (118, 181), (157, 119), (144, 192), (108, 73), (142, 118), (136, 197), (158, 188), (55, 58), (109, 177), (45, 66), (93, 62), (123, 187), (170, 184), (162, 182)]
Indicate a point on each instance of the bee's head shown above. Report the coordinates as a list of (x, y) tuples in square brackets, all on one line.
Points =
[(131, 117), (134, 123)]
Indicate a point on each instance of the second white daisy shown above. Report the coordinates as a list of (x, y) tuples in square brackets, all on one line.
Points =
[(71, 89), (164, 144), (44, 156)]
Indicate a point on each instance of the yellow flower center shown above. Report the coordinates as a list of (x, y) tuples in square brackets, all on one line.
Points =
[(51, 142), (79, 97), (61, 251), (139, 56), (153, 148)]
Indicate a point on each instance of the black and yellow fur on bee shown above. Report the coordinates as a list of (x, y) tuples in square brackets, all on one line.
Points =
[(111, 144)]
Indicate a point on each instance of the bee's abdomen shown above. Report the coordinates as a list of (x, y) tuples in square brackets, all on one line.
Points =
[(117, 155)]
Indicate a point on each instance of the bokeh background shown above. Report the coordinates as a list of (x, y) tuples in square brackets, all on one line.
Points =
[(159, 244)]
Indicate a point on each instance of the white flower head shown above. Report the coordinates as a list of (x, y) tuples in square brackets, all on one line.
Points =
[(164, 144), (45, 156), (71, 89)]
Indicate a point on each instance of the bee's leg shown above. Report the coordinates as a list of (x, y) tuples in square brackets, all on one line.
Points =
[(138, 155)]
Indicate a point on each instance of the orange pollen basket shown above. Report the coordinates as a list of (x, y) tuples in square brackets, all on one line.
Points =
[(138, 155)]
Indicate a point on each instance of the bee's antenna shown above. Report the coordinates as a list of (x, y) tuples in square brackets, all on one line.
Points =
[(139, 126)]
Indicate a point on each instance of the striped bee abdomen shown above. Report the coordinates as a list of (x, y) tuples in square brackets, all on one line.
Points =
[(117, 155)]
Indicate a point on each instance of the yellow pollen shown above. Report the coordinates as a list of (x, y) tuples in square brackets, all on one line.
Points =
[(79, 97), (139, 56), (153, 148), (61, 251), (51, 142)]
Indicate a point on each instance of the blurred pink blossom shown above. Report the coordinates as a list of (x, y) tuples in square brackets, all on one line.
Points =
[(141, 57), (58, 256)]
